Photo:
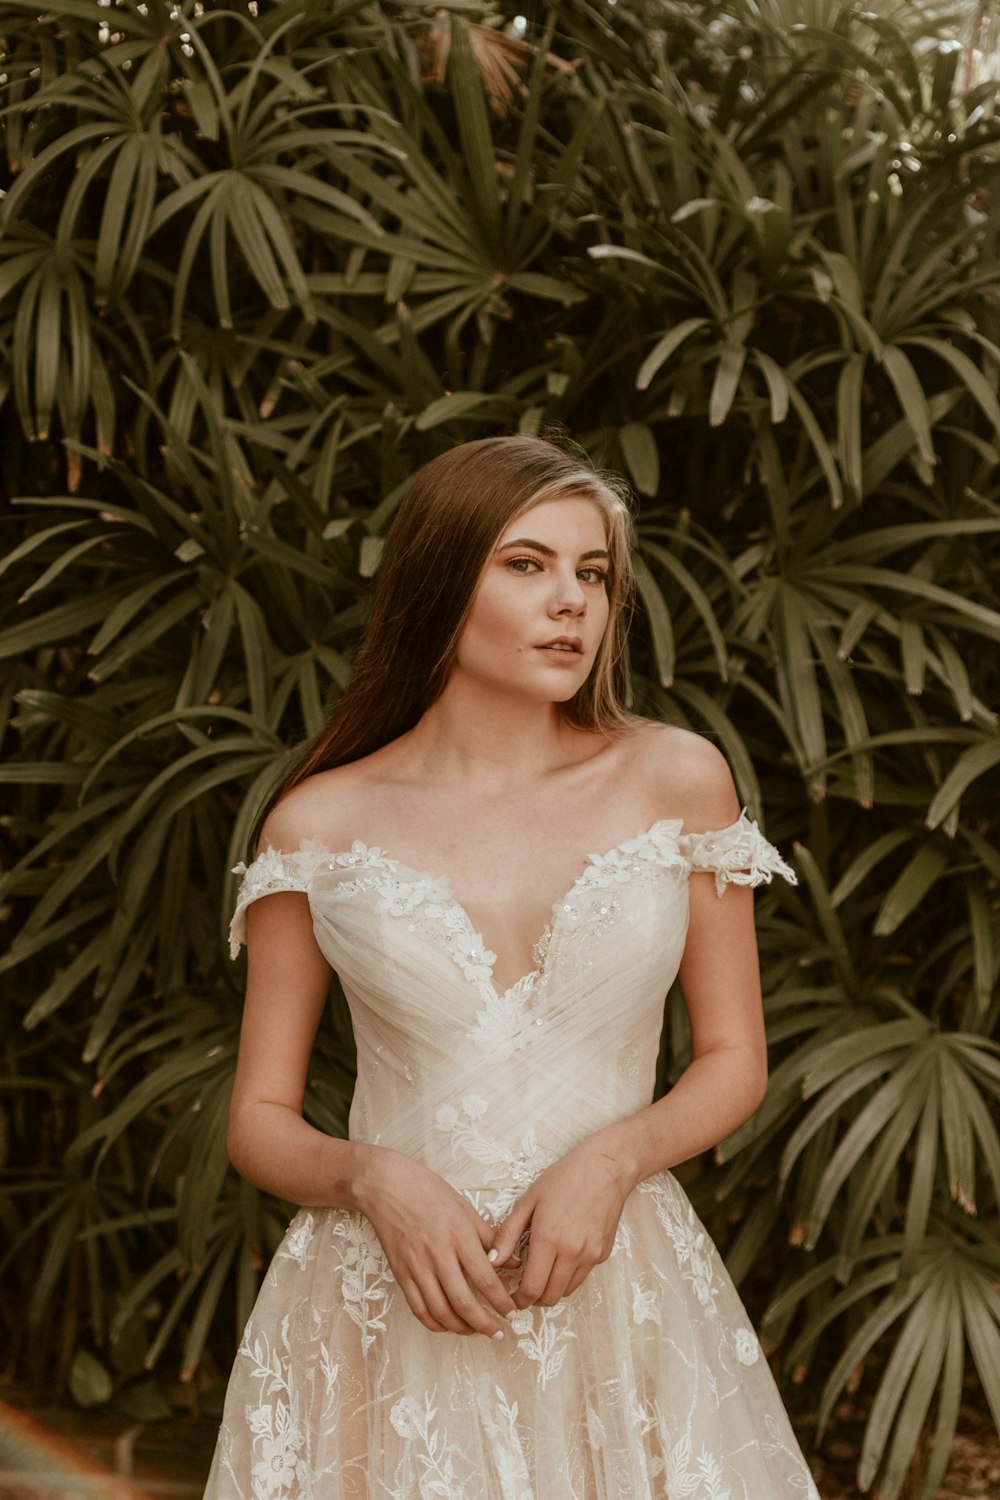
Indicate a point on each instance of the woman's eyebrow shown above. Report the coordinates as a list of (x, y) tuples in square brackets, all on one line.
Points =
[(525, 541)]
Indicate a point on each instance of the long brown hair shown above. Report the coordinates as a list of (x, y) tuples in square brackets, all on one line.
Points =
[(440, 540)]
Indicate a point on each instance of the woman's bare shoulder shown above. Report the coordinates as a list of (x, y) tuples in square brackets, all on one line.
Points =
[(329, 805), (686, 775)]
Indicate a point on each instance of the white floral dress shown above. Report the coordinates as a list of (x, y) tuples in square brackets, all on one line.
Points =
[(647, 1380)]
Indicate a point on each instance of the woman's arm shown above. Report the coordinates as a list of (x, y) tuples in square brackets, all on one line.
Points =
[(727, 1076), (287, 984), (434, 1240)]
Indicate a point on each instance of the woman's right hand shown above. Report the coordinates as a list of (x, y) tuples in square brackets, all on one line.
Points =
[(436, 1245)]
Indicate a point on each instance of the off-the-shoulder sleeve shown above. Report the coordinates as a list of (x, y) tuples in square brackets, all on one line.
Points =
[(271, 871), (737, 855)]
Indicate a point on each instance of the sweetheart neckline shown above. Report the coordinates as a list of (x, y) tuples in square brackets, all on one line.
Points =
[(544, 941)]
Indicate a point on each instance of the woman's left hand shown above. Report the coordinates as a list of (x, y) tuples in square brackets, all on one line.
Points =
[(572, 1210)]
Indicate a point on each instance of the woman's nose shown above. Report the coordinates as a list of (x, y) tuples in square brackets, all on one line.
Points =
[(568, 596)]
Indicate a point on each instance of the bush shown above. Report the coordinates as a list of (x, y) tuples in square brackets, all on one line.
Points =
[(256, 267)]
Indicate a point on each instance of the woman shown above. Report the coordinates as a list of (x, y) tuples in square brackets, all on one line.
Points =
[(495, 1290)]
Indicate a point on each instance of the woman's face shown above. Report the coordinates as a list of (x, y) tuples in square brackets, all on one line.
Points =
[(541, 607)]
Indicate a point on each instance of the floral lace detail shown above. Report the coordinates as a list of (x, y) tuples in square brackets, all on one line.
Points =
[(367, 1284), (415, 1423), (645, 1305), (658, 845), (694, 1250), (747, 1346), (492, 1204), (401, 893), (643, 855), (501, 1425), (543, 1334), (518, 1168), (695, 1478), (502, 1025), (298, 1239), (278, 1441), (738, 855), (270, 872), (279, 1438)]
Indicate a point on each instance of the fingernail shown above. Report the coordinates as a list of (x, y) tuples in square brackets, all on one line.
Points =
[(498, 1334), (492, 1254)]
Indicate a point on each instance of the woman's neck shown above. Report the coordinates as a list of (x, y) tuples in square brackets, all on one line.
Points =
[(474, 733)]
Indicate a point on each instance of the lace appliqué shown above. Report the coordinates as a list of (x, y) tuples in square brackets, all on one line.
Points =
[(543, 1334), (657, 848), (516, 1165), (690, 1242), (419, 900), (298, 1239), (738, 855), (367, 1284), (270, 872), (436, 1457), (277, 1432), (500, 1421), (502, 1024)]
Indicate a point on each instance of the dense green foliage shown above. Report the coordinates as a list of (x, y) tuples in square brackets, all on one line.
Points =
[(255, 268)]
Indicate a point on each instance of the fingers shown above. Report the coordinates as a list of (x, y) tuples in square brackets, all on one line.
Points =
[(562, 1273), (446, 1302), (553, 1270), (464, 1304), (418, 1306), (504, 1263), (487, 1238), (443, 1296), (483, 1279), (439, 1302), (564, 1277), (449, 1319), (578, 1277), (511, 1230), (537, 1270)]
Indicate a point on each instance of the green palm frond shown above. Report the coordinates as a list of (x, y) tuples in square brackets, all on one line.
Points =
[(945, 1302)]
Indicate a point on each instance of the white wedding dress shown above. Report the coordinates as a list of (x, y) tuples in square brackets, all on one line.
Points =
[(647, 1381)]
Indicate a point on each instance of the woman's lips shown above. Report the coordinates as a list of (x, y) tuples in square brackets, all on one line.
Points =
[(571, 650)]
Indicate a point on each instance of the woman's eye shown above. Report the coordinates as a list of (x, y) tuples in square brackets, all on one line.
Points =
[(527, 565)]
